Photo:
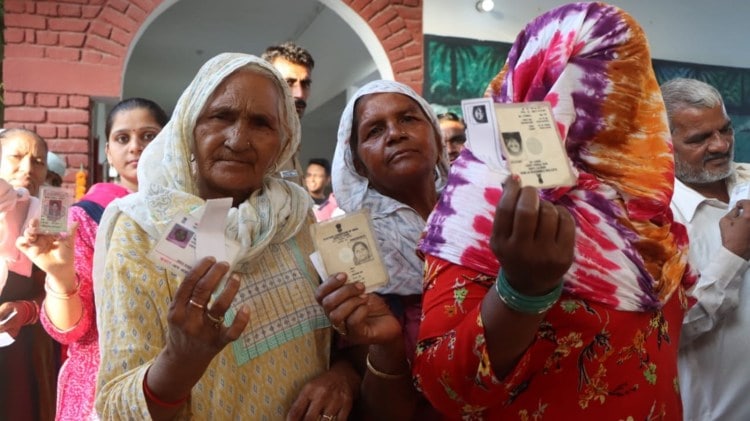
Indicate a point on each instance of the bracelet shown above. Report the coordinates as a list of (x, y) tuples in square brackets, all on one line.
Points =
[(62, 295), (379, 373), (151, 397), (525, 303), (31, 311)]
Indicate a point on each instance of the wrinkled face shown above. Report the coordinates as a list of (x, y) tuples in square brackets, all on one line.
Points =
[(132, 131), (454, 137), (24, 162), (703, 141), (395, 141), (316, 179), (237, 136), (297, 77)]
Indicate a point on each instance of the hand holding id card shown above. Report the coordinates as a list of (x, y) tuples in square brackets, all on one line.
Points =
[(347, 244)]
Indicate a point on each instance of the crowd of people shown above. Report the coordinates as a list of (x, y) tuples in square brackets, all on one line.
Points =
[(618, 297)]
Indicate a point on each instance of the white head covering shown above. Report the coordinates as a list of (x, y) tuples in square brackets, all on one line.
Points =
[(397, 226), (55, 164), (167, 185)]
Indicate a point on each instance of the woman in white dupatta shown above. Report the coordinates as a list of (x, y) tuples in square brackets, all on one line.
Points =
[(164, 339)]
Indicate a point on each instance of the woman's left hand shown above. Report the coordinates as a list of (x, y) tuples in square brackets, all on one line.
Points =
[(329, 396), (362, 318)]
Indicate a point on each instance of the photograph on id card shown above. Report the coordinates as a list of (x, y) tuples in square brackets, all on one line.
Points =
[(532, 145), (54, 213), (347, 244)]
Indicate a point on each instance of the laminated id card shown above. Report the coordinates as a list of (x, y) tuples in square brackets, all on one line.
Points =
[(347, 244)]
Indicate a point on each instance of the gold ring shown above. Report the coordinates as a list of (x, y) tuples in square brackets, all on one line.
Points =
[(341, 329), (217, 320), (324, 417), (197, 305)]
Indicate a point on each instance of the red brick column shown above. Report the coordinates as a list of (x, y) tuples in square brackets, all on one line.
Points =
[(398, 26), (59, 54)]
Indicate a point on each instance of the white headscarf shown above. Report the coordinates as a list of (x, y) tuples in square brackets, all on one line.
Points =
[(397, 226), (167, 185)]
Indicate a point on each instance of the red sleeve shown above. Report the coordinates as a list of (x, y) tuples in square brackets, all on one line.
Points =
[(452, 366)]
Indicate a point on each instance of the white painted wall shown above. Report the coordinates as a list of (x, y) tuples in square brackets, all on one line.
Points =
[(695, 31)]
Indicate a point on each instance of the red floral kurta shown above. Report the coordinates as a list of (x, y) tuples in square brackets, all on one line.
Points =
[(588, 361)]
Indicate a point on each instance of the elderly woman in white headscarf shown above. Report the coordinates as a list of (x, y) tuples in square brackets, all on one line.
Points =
[(164, 337), (390, 160)]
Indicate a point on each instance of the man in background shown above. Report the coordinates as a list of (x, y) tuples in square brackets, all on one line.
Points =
[(714, 375), (295, 65), (453, 129), (317, 180)]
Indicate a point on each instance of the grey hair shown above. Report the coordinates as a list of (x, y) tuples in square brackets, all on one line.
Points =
[(681, 93)]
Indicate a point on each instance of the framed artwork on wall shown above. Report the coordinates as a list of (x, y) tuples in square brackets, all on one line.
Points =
[(460, 68)]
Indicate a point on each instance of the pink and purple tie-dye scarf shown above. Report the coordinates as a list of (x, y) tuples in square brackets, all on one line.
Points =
[(591, 62)]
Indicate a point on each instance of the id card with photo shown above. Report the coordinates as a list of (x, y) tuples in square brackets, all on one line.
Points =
[(55, 202), (532, 145), (179, 248), (347, 244)]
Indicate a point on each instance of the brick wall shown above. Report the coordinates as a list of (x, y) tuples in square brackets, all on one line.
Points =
[(398, 26), (59, 54)]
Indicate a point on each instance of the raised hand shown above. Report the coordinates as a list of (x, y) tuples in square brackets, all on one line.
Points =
[(362, 318), (53, 253), (196, 328), (533, 239)]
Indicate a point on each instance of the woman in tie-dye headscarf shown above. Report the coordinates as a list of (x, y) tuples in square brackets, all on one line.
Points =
[(509, 331)]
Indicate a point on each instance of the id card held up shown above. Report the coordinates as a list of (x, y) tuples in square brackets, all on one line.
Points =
[(347, 244), (54, 216), (526, 135)]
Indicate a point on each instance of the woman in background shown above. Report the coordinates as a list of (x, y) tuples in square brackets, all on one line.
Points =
[(68, 312)]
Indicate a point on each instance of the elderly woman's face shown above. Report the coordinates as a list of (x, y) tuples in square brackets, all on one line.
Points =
[(237, 136), (395, 140)]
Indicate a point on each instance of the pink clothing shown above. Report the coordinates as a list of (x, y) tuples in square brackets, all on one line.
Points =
[(16, 208), (77, 379), (326, 210)]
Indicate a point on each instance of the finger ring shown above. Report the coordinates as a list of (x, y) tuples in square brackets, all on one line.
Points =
[(197, 305), (341, 329), (217, 320), (327, 417)]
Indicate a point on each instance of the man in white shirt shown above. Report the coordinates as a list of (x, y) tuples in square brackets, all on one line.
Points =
[(715, 342)]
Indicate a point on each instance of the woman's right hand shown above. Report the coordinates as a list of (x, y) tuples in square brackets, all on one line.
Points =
[(196, 329), (532, 238), (53, 253), (361, 318)]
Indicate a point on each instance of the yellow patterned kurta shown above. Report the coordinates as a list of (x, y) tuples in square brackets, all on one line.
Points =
[(285, 344)]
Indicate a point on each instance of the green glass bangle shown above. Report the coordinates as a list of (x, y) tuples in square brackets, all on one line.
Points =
[(525, 303)]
